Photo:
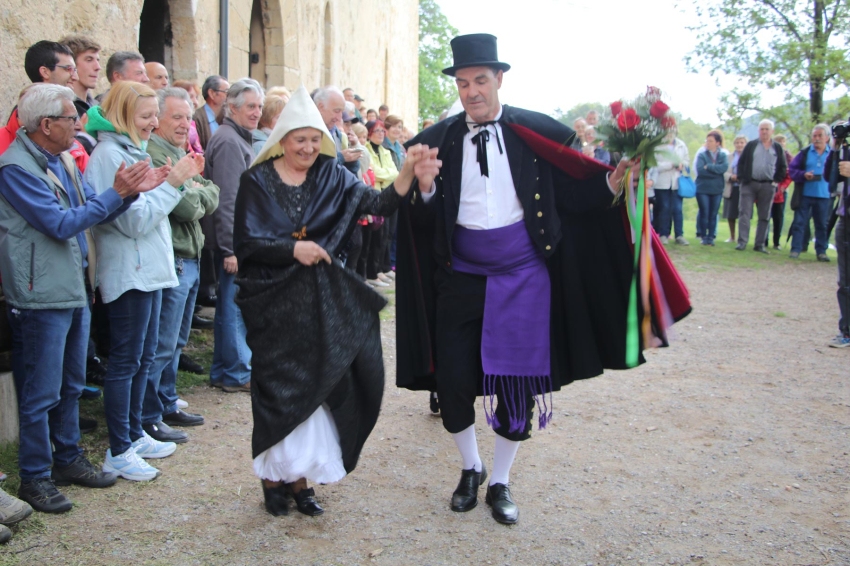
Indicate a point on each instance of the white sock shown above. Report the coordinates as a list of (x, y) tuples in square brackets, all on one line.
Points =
[(467, 445), (503, 459)]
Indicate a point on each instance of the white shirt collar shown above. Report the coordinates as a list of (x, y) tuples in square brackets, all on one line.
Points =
[(472, 124)]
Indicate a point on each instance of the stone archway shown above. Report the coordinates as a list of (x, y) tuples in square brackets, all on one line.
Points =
[(265, 43), (327, 47), (167, 35)]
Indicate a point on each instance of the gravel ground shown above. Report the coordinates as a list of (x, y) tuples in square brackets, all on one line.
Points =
[(731, 447)]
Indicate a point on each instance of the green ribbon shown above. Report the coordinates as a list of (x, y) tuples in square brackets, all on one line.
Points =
[(632, 323)]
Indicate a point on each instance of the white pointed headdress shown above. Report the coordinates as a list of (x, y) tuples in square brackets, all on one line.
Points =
[(299, 112)]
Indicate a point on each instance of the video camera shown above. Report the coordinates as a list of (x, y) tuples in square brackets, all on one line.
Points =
[(841, 131)]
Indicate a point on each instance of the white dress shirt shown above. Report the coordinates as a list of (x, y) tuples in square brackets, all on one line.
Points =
[(486, 202)]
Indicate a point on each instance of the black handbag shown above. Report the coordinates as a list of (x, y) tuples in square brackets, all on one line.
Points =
[(796, 196)]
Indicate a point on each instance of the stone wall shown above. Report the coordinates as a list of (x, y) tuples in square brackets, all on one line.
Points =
[(370, 45)]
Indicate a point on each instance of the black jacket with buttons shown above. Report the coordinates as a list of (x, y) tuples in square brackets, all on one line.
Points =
[(572, 223)]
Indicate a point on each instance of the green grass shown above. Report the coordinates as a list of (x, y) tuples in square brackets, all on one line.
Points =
[(723, 256), (199, 348), (779, 314)]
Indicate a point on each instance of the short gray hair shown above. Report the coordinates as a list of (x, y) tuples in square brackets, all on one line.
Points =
[(323, 94), (768, 122), (40, 101), (171, 92), (236, 93), (827, 131), (118, 61)]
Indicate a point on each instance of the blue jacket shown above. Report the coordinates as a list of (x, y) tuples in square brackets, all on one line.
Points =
[(710, 179), (134, 251)]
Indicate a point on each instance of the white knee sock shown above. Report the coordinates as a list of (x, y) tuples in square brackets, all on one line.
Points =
[(467, 445), (503, 459)]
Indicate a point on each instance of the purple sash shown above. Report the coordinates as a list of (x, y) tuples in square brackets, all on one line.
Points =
[(515, 339)]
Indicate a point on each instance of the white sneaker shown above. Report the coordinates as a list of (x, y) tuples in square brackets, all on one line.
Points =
[(383, 277), (181, 404), (147, 447), (377, 283), (664, 240), (129, 466), (390, 274)]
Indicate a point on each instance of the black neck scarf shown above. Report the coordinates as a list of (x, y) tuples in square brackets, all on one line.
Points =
[(480, 140)]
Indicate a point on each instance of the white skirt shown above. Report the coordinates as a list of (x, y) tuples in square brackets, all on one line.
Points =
[(310, 451)]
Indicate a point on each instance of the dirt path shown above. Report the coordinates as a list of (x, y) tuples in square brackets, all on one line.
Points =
[(729, 448)]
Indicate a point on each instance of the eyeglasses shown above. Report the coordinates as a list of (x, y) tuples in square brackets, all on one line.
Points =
[(219, 90), (73, 118), (70, 68), (379, 131)]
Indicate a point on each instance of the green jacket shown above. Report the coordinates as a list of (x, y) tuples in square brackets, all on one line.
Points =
[(200, 198)]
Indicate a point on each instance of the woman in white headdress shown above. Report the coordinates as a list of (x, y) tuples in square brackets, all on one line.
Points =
[(313, 327)]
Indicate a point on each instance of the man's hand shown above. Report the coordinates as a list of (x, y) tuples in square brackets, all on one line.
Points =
[(189, 165), (310, 253), (230, 264), (733, 178), (615, 179), (350, 155), (809, 175), (127, 179), (844, 168)]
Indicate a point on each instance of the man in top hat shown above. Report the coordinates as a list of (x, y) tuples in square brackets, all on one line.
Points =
[(495, 291)]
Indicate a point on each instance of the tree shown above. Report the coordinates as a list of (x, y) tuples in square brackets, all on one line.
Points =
[(798, 47), (436, 90), (578, 111)]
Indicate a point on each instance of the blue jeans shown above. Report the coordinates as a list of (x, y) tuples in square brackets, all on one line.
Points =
[(175, 322), (133, 330), (818, 209), (231, 365), (668, 209), (49, 366), (709, 206)]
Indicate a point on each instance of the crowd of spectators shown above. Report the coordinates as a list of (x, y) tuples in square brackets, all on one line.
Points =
[(117, 215)]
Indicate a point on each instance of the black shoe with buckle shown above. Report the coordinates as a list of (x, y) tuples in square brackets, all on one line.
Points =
[(188, 364), (201, 323), (465, 497), (42, 495), (82, 472), (505, 511), (306, 502), (182, 418), (164, 433)]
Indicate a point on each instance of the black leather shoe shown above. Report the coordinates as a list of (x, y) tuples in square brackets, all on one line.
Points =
[(435, 403), (761, 250), (87, 425), (741, 247), (465, 497), (276, 500), (306, 502), (201, 323), (505, 511), (206, 300), (82, 472), (164, 433), (188, 364), (182, 418)]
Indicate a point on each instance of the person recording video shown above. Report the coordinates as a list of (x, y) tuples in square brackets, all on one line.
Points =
[(838, 166)]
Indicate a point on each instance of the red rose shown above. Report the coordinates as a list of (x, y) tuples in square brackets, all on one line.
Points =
[(653, 92), (658, 110), (616, 107), (668, 122), (628, 120)]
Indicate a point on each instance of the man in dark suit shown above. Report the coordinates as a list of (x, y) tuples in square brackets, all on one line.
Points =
[(495, 291)]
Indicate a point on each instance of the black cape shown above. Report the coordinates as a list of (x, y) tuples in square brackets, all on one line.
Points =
[(571, 220), (314, 331)]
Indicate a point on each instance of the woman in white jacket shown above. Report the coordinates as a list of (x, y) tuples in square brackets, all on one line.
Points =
[(672, 158), (135, 261)]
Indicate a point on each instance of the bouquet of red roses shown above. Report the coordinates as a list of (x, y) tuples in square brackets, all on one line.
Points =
[(637, 128)]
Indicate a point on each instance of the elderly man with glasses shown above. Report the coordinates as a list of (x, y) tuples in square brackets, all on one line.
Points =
[(45, 210)]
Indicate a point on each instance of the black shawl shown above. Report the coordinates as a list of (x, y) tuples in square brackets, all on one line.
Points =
[(313, 330)]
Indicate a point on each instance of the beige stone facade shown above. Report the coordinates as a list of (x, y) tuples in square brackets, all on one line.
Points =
[(370, 45)]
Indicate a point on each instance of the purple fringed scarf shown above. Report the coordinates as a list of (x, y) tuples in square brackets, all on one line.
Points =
[(515, 338)]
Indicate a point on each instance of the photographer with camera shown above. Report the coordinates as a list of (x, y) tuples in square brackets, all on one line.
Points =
[(838, 167), (807, 169)]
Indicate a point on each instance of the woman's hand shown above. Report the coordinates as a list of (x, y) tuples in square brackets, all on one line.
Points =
[(190, 165), (310, 253)]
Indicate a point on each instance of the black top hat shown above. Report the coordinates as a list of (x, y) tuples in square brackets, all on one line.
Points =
[(475, 50)]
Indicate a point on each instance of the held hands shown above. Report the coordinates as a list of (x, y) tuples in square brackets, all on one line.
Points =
[(310, 253), (421, 163), (189, 165), (138, 178)]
